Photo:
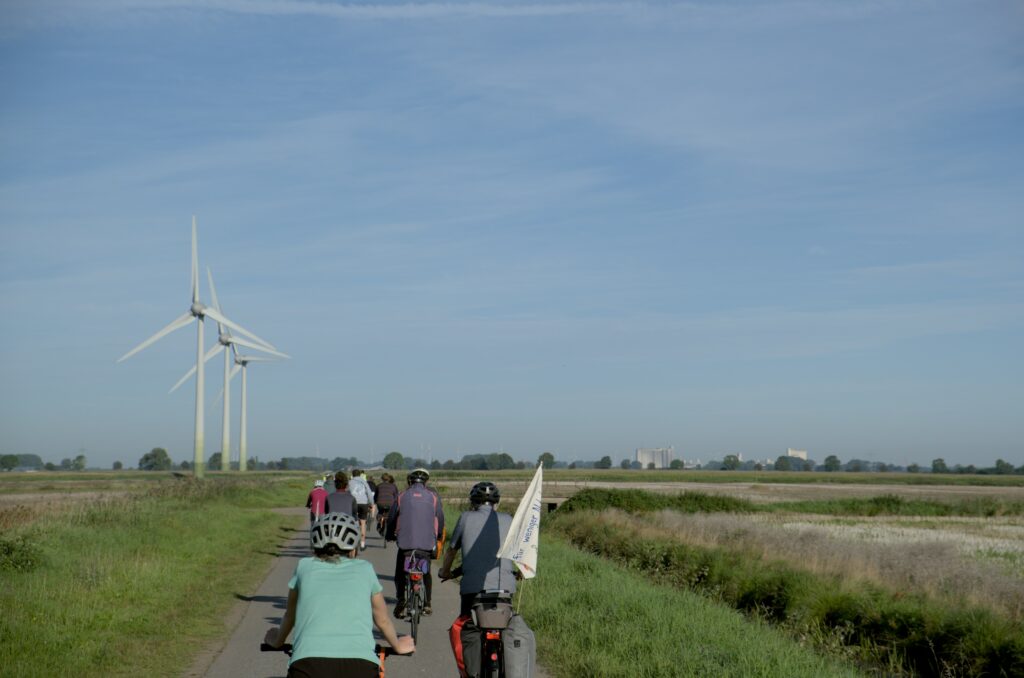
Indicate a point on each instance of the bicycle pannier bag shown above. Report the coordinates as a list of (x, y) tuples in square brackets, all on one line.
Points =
[(492, 614), (417, 561), (467, 643), (519, 648)]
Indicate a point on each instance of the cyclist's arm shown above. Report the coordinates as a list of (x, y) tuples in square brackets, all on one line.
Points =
[(382, 620), (445, 571), (453, 548), (439, 514), (277, 635)]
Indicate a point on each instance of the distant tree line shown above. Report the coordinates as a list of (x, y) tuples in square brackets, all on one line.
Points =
[(157, 459), (833, 464), (10, 462)]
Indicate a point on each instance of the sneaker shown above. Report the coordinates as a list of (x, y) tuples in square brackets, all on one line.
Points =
[(400, 610), (427, 609)]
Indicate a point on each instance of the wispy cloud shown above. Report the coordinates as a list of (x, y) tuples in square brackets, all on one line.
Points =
[(32, 13)]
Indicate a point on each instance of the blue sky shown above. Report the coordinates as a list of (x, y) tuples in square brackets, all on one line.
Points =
[(580, 227)]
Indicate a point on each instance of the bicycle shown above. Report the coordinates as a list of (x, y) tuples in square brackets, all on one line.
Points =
[(382, 652), (491, 612), (382, 520), (417, 564)]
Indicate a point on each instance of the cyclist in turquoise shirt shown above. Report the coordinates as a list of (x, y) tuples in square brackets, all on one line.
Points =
[(334, 601)]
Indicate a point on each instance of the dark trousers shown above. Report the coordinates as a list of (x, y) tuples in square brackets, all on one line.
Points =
[(401, 582), (467, 604), (322, 667)]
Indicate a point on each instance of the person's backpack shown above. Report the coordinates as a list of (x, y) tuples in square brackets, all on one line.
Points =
[(519, 648), (467, 641)]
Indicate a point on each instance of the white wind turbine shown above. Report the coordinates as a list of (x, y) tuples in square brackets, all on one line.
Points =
[(241, 364), (224, 340), (197, 311)]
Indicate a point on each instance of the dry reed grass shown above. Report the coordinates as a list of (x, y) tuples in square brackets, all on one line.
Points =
[(941, 563)]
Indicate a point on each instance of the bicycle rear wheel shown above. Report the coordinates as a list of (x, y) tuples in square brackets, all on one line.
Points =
[(493, 665), (415, 610)]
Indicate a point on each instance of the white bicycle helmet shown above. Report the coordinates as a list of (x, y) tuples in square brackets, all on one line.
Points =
[(340, 529), (318, 483)]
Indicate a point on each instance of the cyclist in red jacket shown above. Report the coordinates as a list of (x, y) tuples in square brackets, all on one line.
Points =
[(316, 500)]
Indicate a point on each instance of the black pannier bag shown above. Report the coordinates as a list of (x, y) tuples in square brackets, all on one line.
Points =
[(467, 642)]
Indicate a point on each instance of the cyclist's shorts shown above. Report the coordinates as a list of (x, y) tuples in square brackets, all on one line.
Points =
[(362, 511), (329, 667), (384, 508)]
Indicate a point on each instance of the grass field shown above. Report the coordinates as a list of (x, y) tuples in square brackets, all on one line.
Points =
[(830, 577), (593, 618), (943, 597), (762, 477), (134, 584)]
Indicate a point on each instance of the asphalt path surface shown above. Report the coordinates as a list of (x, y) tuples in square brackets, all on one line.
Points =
[(264, 608)]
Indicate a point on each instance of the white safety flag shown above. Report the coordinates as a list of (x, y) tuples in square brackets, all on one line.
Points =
[(523, 537)]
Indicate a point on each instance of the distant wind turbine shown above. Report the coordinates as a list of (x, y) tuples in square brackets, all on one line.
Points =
[(225, 340), (241, 364), (197, 310)]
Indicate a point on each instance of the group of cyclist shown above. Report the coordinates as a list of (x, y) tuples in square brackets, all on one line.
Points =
[(333, 579)]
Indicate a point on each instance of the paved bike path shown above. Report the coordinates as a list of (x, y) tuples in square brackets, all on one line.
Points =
[(264, 608)]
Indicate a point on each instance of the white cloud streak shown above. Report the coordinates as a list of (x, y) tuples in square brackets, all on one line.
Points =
[(33, 13)]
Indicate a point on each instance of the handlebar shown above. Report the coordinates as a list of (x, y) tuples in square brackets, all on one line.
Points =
[(385, 650), (456, 573)]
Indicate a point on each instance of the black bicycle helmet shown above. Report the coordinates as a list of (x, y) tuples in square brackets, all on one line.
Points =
[(484, 492), (420, 475)]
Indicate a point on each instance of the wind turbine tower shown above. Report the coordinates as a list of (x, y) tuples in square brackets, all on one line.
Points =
[(242, 364)]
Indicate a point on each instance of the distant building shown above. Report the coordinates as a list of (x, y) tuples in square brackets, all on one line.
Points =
[(661, 457), (799, 454)]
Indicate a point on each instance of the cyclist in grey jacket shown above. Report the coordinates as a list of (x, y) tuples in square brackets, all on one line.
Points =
[(340, 501), (360, 489), (479, 534)]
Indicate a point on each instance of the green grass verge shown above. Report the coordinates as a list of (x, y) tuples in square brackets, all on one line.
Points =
[(593, 618), (136, 585), (890, 505), (640, 501), (767, 477), (919, 634)]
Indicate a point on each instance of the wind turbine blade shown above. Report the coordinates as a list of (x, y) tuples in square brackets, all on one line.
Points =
[(214, 350), (211, 313), (257, 347), (213, 290), (195, 263), (257, 359), (234, 370), (185, 378), (178, 323)]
